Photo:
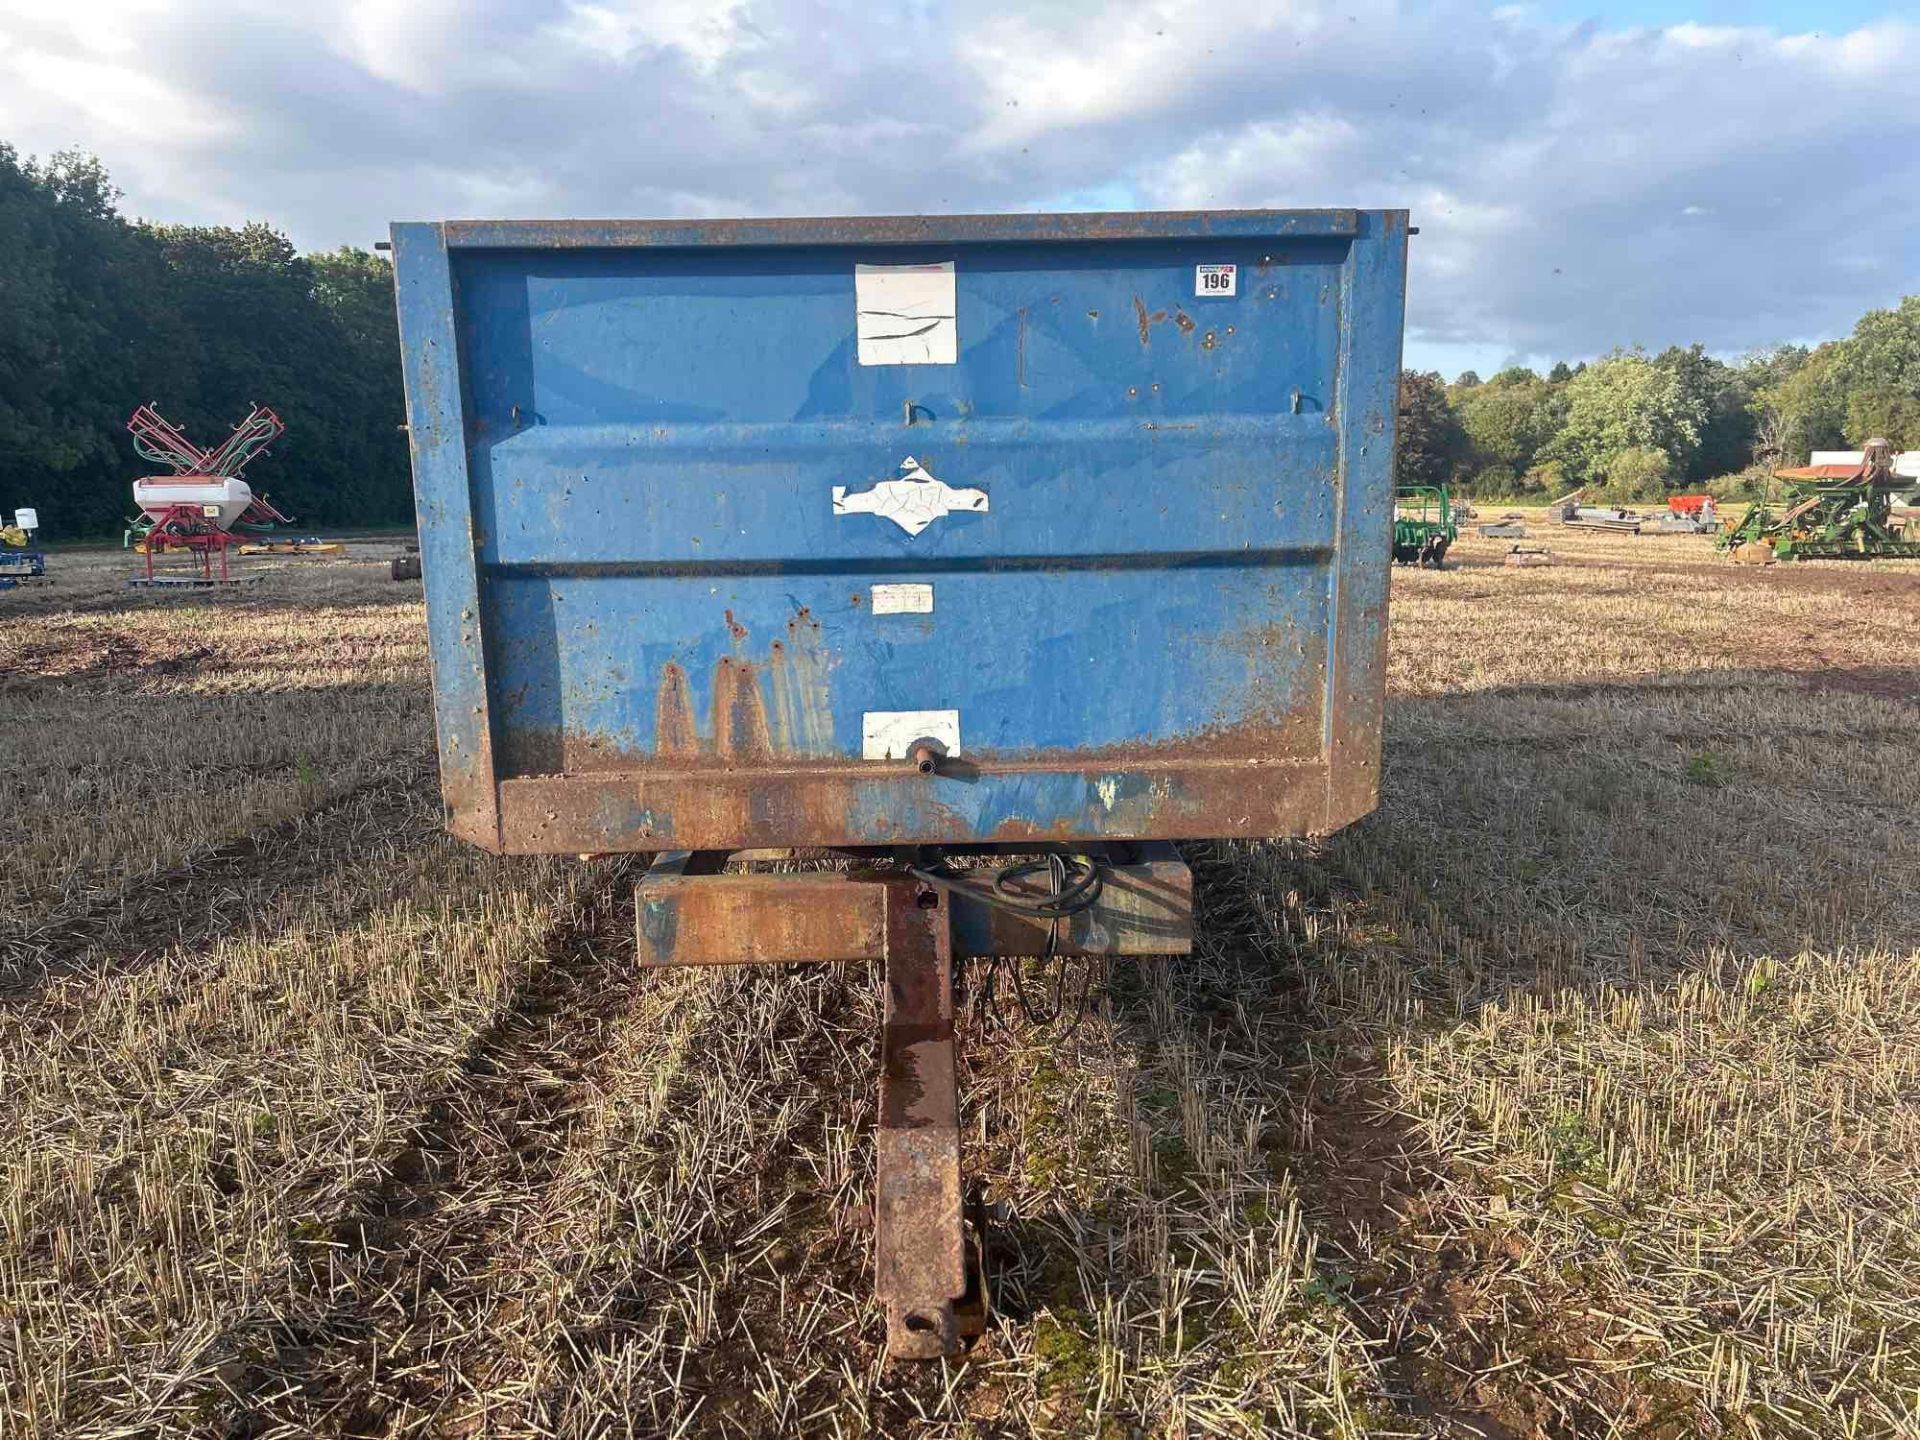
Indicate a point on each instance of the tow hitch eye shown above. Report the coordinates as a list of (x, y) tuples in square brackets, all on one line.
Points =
[(926, 755)]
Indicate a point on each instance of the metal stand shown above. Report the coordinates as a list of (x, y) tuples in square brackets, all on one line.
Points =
[(689, 913)]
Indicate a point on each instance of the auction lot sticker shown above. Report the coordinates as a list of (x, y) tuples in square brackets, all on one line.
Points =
[(1216, 279)]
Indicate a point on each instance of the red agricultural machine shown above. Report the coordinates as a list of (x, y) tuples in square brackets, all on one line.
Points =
[(204, 501)]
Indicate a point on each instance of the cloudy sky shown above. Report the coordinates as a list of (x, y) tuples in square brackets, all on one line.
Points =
[(1585, 173)]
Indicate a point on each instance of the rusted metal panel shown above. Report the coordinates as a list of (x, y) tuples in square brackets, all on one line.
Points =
[(919, 1236), (868, 230), (842, 806), (1141, 522), (760, 919), (687, 915)]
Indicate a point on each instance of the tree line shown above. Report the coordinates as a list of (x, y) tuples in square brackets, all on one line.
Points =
[(99, 314), (1633, 426)]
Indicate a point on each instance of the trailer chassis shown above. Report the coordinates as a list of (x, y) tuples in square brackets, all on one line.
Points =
[(891, 907)]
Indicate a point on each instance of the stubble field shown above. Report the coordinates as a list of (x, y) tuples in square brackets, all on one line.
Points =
[(1576, 1092)]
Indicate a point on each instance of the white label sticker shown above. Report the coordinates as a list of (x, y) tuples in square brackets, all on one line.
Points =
[(905, 314), (889, 734), (913, 501), (1216, 279), (903, 599)]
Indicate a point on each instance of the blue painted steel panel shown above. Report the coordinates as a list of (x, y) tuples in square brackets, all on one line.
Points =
[(1162, 613), (443, 504)]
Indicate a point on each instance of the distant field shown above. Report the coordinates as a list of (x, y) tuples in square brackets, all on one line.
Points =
[(1575, 1093)]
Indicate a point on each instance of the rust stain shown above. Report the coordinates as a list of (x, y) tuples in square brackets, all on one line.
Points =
[(1184, 321), (1258, 739), (816, 715), (739, 712), (1149, 318), (721, 805), (802, 712), (675, 733), (786, 706), (758, 711), (1206, 341)]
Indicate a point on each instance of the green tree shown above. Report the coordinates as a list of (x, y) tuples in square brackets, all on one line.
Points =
[(355, 290), (1878, 369), (1723, 397), (1774, 365), (1886, 411), (1643, 472), (1429, 441), (1625, 401), (84, 320), (1805, 411), (1506, 421)]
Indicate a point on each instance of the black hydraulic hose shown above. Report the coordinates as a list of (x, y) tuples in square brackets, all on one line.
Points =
[(1077, 883)]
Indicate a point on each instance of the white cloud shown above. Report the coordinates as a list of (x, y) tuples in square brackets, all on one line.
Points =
[(406, 44), (1040, 70), (707, 32), (111, 97), (1577, 187), (1287, 155)]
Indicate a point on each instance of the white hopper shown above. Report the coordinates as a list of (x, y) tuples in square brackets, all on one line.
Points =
[(218, 498)]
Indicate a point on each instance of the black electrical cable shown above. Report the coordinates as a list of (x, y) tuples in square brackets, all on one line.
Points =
[(1076, 883)]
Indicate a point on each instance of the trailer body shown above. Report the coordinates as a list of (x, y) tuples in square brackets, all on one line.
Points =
[(723, 523)]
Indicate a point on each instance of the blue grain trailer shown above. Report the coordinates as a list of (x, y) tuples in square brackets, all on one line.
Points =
[(911, 538)]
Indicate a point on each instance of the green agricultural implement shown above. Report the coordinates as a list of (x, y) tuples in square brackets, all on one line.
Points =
[(1423, 525), (1832, 516)]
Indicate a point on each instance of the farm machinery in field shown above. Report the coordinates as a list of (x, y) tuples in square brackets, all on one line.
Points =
[(204, 504), (1569, 510), (1684, 515), (1424, 524), (1832, 514), (20, 563), (1689, 515)]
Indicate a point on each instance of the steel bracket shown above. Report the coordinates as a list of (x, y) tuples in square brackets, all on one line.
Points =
[(690, 914)]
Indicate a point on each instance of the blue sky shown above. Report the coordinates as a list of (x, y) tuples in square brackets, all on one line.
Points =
[(1585, 176)]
